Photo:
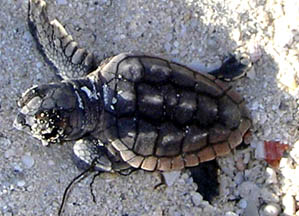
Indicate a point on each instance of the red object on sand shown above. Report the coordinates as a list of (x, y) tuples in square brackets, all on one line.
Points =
[(274, 151)]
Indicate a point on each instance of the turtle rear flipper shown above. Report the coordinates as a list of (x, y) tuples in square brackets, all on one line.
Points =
[(58, 47), (231, 69)]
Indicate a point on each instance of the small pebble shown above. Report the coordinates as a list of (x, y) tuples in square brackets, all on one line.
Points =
[(17, 169), (39, 64), (167, 47), (289, 205), (122, 36), (251, 73), (271, 176), (212, 43), (230, 214), (39, 76), (249, 190), (21, 183), (240, 164), (254, 105), (176, 44), (61, 2), (255, 52), (158, 212), (168, 37), (242, 203), (289, 80), (175, 52), (239, 178), (171, 177), (251, 208), (269, 196), (4, 141), (28, 161), (27, 36), (246, 158), (271, 209), (260, 150), (51, 163), (9, 153), (196, 198)]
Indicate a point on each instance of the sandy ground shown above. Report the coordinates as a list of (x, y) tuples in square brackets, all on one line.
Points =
[(194, 32)]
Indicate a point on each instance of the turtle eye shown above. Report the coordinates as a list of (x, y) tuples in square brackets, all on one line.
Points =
[(20, 123), (20, 120)]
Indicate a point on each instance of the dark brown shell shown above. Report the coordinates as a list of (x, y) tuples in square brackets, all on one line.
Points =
[(160, 115)]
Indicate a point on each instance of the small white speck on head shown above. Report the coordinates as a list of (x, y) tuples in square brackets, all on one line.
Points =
[(187, 129), (90, 94), (105, 94), (94, 91), (114, 100), (87, 91), (204, 134), (79, 100)]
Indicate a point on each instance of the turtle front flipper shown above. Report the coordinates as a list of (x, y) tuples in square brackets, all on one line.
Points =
[(88, 152), (58, 47)]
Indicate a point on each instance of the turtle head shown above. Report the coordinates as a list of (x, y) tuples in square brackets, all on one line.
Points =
[(52, 113)]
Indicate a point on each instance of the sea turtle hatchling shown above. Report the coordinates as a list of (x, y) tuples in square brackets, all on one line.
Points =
[(131, 110)]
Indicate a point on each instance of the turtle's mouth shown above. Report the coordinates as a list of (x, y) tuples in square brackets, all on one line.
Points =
[(47, 126)]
